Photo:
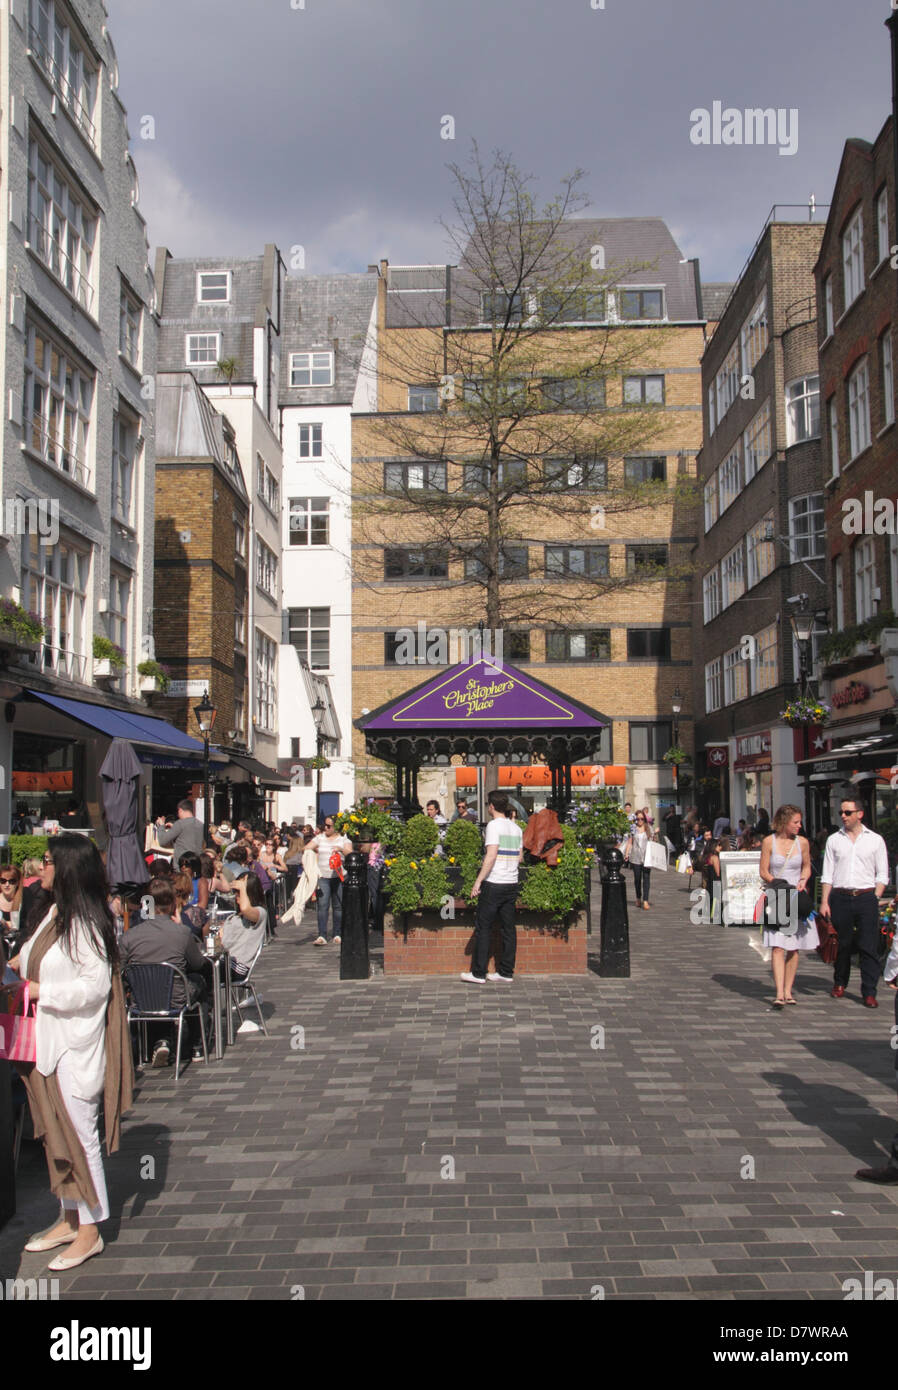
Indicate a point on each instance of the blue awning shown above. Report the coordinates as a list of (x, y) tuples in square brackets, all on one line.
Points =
[(118, 723)]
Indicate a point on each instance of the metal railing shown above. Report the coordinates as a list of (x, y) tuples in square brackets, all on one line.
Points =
[(51, 254), (57, 453), (811, 207), (73, 104)]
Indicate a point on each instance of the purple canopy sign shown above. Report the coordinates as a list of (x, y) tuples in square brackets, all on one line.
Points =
[(483, 692)]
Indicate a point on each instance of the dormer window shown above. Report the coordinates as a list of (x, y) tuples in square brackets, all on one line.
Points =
[(311, 369), (213, 287), (640, 304)]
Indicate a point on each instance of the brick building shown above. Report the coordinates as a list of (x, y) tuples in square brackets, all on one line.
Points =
[(762, 542)]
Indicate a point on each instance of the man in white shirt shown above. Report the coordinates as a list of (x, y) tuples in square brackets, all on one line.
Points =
[(855, 876), (496, 885)]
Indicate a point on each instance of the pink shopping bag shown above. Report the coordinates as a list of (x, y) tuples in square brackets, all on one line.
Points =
[(18, 1040)]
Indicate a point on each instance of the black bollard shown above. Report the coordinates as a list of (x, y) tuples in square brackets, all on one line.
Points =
[(7, 1173), (615, 926), (354, 963)]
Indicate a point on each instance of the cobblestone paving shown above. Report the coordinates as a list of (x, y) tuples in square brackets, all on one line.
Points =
[(433, 1139)]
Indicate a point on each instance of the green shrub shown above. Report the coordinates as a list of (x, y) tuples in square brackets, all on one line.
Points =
[(598, 820), (22, 847), (420, 837), (368, 821), (411, 884), (463, 847), (559, 890)]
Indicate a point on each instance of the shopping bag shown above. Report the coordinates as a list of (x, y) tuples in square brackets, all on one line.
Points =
[(684, 864), (655, 856), (18, 1040)]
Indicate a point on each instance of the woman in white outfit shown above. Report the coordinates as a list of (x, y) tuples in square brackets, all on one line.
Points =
[(634, 848), (787, 855), (82, 1042)]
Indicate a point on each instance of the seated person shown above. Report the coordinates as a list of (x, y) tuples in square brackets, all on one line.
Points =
[(194, 917), (243, 933), (159, 940)]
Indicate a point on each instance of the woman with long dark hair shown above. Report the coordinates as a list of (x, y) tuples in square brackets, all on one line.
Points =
[(83, 1048)]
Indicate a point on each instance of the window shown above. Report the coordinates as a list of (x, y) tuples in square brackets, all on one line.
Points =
[(240, 537), (587, 644), (576, 475), (573, 393), (517, 646), (806, 535), (728, 479), (728, 382), (648, 644), (647, 560), (311, 369), (760, 550), (62, 226), (513, 563), (500, 306), (508, 393), (54, 585), (266, 680), (645, 470), (124, 452), (213, 286), (859, 409), (711, 594), (754, 336), (732, 571), (130, 317), (735, 676), (839, 592), (406, 562), (423, 398), (309, 633), (309, 521), (640, 304), (710, 501), (757, 442), (58, 405), (853, 258), (888, 384), (765, 662), (512, 473), (119, 606), (882, 224), (833, 411), (828, 316), (802, 409), (864, 580), (573, 306), (649, 742), (712, 422), (713, 686), (267, 485), (239, 715), (203, 349), (576, 561), (644, 390), (239, 623), (310, 442), (414, 477), (266, 569), (65, 62)]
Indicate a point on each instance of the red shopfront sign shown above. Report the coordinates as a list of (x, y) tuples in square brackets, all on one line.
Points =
[(718, 757), (855, 693), (752, 752)]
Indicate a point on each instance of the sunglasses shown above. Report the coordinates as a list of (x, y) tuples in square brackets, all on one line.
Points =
[(47, 861), (9, 880)]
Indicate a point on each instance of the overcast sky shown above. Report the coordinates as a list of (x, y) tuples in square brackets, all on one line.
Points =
[(320, 126)]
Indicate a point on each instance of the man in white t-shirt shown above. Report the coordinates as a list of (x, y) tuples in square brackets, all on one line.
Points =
[(496, 885)]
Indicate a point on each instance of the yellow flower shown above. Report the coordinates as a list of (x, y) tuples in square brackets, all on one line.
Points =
[(355, 818), (413, 865), (451, 860), (364, 820)]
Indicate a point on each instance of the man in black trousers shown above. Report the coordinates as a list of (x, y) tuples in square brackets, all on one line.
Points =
[(496, 886), (855, 876)]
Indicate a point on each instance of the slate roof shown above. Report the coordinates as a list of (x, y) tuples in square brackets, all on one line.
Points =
[(714, 297), (328, 313), (235, 320), (188, 426)]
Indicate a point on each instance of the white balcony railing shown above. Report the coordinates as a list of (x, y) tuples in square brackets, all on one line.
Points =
[(72, 103), (57, 452), (51, 254)]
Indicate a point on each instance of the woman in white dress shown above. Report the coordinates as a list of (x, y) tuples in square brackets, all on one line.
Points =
[(786, 855)]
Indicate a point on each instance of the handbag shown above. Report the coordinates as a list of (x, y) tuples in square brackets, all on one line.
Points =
[(18, 1036)]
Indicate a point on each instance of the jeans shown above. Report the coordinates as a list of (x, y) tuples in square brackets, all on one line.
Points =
[(330, 890), (861, 916), (496, 902), (641, 881)]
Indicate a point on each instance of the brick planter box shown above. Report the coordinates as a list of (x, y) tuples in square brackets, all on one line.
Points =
[(423, 944)]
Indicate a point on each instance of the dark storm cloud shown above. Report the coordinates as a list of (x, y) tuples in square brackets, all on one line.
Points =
[(320, 126)]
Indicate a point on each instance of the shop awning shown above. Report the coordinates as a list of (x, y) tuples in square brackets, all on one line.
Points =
[(274, 781), (118, 723), (523, 775)]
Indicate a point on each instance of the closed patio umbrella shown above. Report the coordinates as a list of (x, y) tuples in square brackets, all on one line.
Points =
[(120, 772)]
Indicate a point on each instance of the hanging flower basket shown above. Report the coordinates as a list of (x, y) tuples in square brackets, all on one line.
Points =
[(805, 711), (318, 762)]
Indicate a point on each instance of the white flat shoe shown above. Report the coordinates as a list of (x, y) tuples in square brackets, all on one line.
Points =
[(61, 1263), (38, 1244)]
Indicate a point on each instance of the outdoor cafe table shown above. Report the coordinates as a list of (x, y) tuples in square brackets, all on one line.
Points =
[(221, 994)]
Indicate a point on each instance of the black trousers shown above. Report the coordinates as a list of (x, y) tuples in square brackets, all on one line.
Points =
[(642, 878), (857, 920), (496, 903)]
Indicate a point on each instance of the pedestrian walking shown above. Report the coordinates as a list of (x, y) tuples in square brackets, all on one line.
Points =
[(330, 878), (634, 848), (855, 876), (786, 858), (496, 890)]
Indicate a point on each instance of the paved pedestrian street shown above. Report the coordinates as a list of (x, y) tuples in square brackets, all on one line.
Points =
[(666, 1136)]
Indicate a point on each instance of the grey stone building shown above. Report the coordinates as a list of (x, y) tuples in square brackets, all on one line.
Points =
[(761, 542), (77, 355)]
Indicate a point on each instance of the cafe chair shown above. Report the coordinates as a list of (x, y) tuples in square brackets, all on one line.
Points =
[(240, 1000), (151, 1002)]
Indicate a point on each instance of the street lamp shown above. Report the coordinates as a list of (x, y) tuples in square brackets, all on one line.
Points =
[(206, 714), (802, 620), (676, 706), (318, 711)]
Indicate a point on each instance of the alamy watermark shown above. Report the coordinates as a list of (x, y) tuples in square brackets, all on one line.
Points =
[(38, 516), (870, 516), (756, 125), (440, 646)]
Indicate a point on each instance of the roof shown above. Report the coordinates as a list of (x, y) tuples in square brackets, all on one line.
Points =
[(326, 313), (715, 295), (235, 320), (189, 426)]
